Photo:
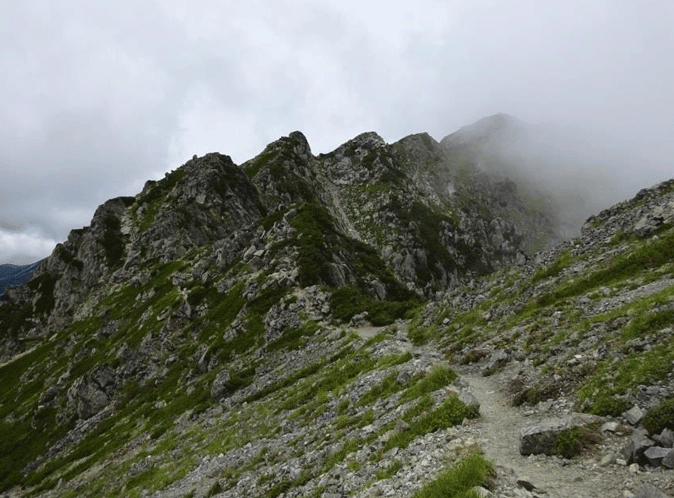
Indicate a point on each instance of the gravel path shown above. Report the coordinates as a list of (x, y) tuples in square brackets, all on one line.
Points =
[(498, 428)]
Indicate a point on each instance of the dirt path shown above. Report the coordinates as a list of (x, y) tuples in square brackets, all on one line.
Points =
[(499, 429)]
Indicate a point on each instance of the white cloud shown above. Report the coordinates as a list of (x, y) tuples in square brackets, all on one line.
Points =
[(97, 98), (24, 247)]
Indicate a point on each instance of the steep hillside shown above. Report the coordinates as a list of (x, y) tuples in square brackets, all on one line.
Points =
[(587, 327), (243, 330)]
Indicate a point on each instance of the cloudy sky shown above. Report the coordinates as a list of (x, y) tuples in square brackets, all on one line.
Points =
[(97, 97)]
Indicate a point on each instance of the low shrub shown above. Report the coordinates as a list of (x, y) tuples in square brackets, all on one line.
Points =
[(660, 417), (608, 405), (572, 442)]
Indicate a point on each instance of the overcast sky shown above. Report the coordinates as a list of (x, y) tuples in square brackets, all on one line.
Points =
[(98, 97)]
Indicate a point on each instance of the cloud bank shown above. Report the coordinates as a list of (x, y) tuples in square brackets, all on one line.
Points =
[(99, 97)]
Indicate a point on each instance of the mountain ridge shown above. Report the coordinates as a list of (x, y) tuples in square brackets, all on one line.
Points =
[(320, 299), (16, 274)]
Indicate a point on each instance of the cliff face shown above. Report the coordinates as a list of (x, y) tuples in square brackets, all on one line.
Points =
[(210, 294)]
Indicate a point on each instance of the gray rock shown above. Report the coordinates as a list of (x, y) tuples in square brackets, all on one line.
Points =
[(403, 378), (635, 447), (611, 426), (480, 492), (497, 359), (220, 387), (650, 491), (668, 461), (540, 437), (525, 483), (88, 399), (655, 455), (666, 438), (634, 415), (607, 460)]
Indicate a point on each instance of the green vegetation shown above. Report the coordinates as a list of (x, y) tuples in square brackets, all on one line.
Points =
[(437, 379), (660, 417), (348, 301), (44, 284), (386, 388), (554, 269), (450, 413), (646, 255), (293, 339), (152, 200), (320, 244), (637, 368), (460, 479), (572, 442), (112, 240), (389, 471), (646, 323)]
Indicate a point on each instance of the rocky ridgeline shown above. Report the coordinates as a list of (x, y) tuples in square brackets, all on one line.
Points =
[(245, 331)]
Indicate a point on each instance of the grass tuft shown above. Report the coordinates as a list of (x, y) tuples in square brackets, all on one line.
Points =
[(460, 479)]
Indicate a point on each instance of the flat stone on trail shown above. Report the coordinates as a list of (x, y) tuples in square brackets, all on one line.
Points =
[(655, 455), (540, 437)]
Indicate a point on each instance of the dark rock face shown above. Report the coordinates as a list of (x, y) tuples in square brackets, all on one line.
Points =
[(92, 393), (220, 387)]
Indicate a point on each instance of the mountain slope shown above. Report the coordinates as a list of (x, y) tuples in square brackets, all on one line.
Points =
[(213, 334)]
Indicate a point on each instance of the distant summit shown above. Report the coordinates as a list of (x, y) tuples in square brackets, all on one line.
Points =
[(16, 274), (497, 126)]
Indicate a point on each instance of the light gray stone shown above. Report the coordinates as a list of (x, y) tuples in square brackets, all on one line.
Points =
[(655, 454), (634, 415)]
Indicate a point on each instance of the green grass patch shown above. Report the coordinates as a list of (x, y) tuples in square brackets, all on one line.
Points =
[(641, 257), (387, 387), (294, 338), (571, 443), (644, 324), (553, 269), (438, 378), (460, 479), (389, 471), (450, 413), (612, 378)]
